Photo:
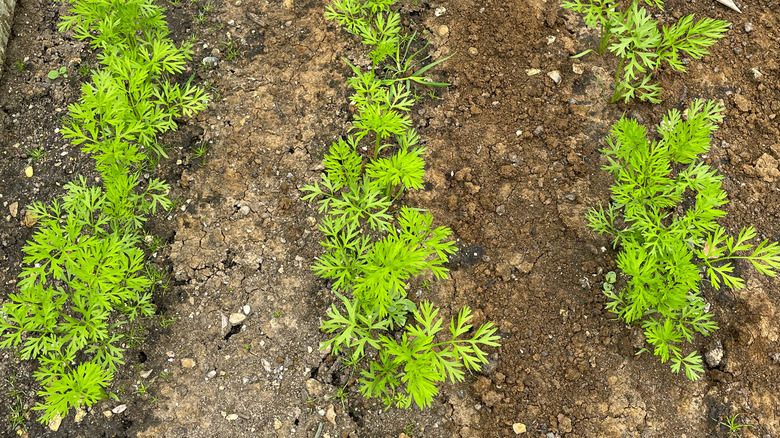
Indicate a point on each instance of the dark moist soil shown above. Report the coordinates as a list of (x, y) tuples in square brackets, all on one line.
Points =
[(513, 165)]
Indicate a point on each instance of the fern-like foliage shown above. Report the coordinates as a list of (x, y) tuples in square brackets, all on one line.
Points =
[(84, 274), (410, 369), (82, 280), (663, 246), (372, 248), (642, 46)]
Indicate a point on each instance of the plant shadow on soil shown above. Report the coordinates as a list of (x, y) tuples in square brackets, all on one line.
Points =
[(513, 165)]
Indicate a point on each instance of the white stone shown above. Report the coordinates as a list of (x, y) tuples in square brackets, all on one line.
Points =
[(555, 75)]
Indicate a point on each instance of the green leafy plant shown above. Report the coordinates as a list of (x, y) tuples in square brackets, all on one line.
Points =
[(342, 395), (85, 286), (82, 283), (734, 428), (635, 38), (166, 322), (231, 49), (35, 153), (18, 411), (20, 65), (380, 28), (199, 151), (372, 249), (160, 280), (663, 214), (58, 73), (141, 388)]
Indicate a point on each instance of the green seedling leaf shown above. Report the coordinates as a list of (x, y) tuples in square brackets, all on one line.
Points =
[(581, 54)]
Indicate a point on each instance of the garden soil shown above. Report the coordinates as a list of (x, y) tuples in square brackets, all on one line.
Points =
[(513, 164)]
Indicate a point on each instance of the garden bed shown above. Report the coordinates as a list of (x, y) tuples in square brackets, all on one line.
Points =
[(512, 167)]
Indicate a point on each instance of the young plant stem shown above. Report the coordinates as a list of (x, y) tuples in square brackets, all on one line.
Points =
[(605, 36), (616, 94), (397, 195)]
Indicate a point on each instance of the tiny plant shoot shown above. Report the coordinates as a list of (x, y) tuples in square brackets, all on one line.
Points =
[(635, 38), (373, 247), (663, 215)]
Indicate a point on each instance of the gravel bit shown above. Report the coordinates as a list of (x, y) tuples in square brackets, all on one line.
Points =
[(555, 75), (237, 318), (714, 356)]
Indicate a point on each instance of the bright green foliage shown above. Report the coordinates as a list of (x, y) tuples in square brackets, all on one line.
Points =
[(424, 362), (416, 360), (133, 95), (414, 247), (405, 167), (85, 275), (83, 280), (665, 246), (371, 251), (370, 20), (641, 46), (380, 28)]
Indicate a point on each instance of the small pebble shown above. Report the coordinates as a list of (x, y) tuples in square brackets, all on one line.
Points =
[(232, 417), (714, 356), (210, 60), (28, 171), (443, 30), (748, 27), (532, 71), (439, 11), (555, 75), (473, 51), (54, 423), (237, 318), (518, 428), (330, 414), (80, 414), (186, 363), (119, 409)]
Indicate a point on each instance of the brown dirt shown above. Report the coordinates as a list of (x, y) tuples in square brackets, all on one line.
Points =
[(513, 165)]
